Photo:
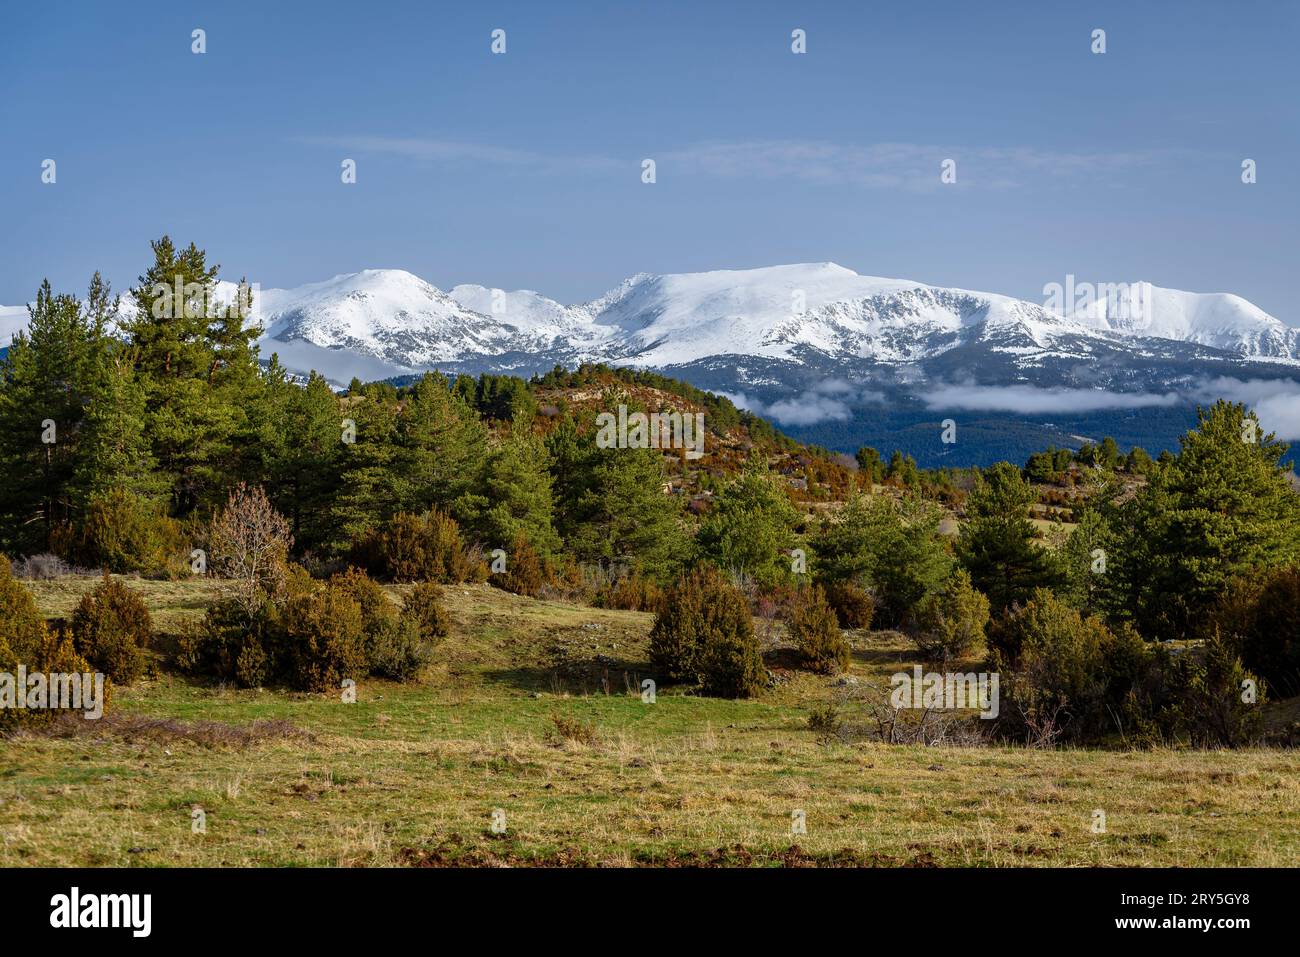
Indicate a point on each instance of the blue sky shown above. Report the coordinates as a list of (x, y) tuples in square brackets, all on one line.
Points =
[(523, 169)]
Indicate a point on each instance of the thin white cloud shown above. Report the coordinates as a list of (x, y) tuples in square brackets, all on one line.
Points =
[(455, 151), (874, 165), (808, 409), (895, 165)]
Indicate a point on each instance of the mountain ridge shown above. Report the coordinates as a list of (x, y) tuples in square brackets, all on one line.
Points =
[(815, 346), (674, 318), (659, 320)]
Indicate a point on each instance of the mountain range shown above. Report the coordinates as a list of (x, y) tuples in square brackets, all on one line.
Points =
[(832, 356)]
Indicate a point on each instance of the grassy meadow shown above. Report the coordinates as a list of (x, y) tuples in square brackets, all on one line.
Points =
[(534, 708)]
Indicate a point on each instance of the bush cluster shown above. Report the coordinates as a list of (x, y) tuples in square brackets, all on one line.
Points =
[(317, 634), (26, 640), (125, 533), (950, 624), (704, 634), (526, 573), (816, 631), (1259, 620), (112, 630), (1067, 677), (632, 593), (414, 548), (854, 605)]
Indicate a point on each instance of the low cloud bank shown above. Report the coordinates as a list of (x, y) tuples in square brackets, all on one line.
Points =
[(1275, 401), (13, 319), (824, 402), (1030, 400)]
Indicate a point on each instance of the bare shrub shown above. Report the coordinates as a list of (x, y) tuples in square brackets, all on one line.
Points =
[(44, 567), (864, 712), (249, 542), (575, 730)]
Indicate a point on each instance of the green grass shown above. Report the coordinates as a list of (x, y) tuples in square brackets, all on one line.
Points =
[(411, 773)]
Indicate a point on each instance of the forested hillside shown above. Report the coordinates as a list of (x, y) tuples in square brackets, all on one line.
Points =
[(1118, 596)]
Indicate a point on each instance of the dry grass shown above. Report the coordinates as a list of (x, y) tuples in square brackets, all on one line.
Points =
[(139, 729)]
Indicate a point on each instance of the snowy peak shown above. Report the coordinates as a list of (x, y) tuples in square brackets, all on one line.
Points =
[(779, 311), (1218, 320), (527, 312), (360, 307), (753, 297), (13, 319), (389, 316)]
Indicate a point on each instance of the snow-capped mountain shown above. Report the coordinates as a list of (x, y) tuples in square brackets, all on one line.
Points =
[(782, 314), (385, 313), (832, 356), (1219, 320), (805, 344), (786, 314), (12, 319)]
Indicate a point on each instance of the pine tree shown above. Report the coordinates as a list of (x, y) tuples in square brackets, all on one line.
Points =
[(891, 547), (1085, 561), (368, 492), (622, 515), (903, 469), (301, 443), (750, 527), (47, 381), (194, 363), (115, 450), (1108, 454), (239, 388), (515, 498), (441, 446), (1220, 510), (1041, 467), (996, 544), (870, 463), (571, 462), (1138, 461)]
